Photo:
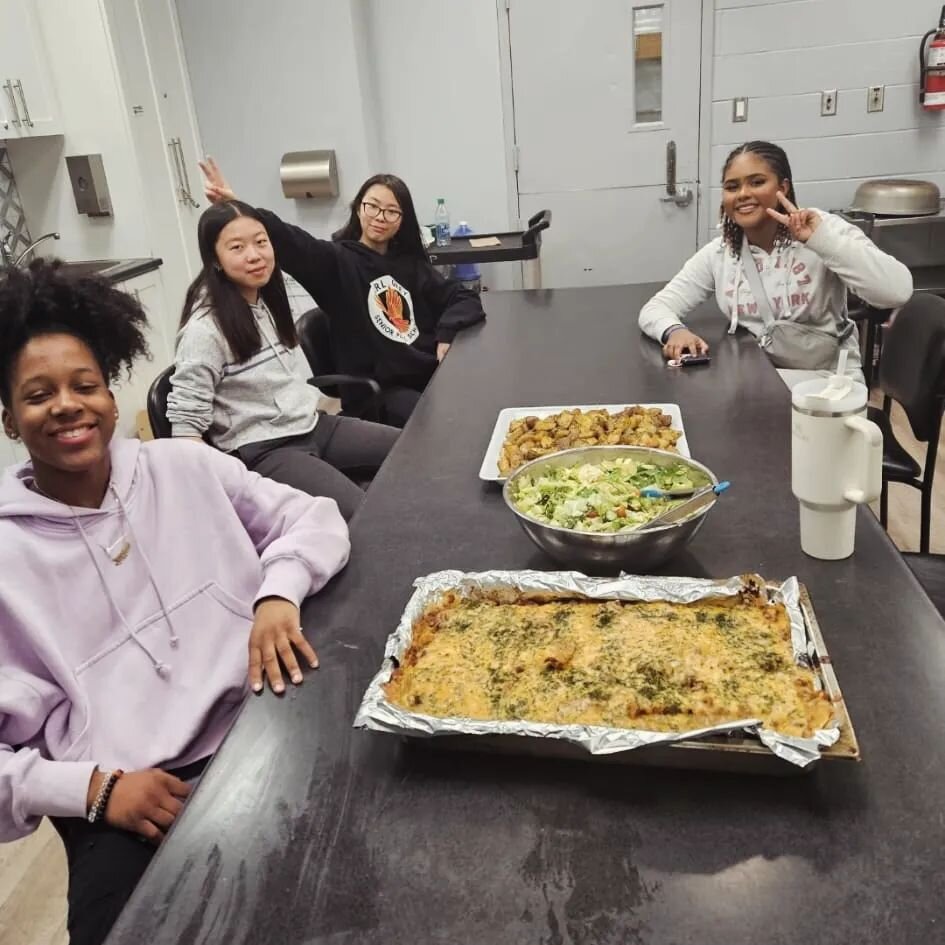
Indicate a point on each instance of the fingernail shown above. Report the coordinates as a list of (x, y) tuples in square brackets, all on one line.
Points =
[(278, 687), (296, 677), (257, 687), (314, 664)]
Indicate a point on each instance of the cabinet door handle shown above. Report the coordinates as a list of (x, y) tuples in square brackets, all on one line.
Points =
[(185, 183), (172, 146), (26, 109), (8, 85)]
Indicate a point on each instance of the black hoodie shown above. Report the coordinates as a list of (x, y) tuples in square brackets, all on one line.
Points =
[(387, 311)]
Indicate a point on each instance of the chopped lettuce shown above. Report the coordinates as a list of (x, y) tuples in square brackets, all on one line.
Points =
[(602, 497)]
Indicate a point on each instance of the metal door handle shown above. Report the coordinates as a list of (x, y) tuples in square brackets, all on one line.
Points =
[(8, 85), (682, 197), (180, 180), (184, 195), (26, 108), (188, 196)]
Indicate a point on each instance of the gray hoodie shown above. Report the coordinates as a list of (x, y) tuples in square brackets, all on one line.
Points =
[(239, 402)]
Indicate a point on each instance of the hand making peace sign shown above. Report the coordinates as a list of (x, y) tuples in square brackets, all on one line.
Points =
[(800, 223)]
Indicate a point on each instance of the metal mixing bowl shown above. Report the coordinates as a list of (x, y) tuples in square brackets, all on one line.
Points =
[(633, 551)]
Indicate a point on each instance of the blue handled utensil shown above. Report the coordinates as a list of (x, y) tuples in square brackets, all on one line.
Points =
[(698, 500), (652, 492)]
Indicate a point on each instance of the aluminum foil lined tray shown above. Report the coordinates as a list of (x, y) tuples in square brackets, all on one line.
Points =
[(741, 745)]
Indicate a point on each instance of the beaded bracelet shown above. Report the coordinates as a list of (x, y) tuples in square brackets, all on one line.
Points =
[(97, 810)]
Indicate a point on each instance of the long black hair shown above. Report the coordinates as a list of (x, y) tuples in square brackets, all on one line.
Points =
[(45, 300), (777, 160), (230, 309), (406, 241)]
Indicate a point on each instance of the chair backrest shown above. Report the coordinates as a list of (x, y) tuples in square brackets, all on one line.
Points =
[(157, 403), (912, 368), (315, 338)]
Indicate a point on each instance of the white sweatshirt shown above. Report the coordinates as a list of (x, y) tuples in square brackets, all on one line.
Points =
[(806, 282)]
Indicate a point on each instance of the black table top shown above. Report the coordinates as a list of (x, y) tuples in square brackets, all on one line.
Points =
[(306, 831)]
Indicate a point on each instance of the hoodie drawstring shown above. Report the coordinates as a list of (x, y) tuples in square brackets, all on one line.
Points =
[(272, 347), (161, 668)]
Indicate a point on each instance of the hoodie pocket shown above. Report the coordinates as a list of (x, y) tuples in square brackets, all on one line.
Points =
[(152, 700)]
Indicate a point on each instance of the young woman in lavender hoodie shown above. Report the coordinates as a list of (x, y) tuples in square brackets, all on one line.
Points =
[(143, 583)]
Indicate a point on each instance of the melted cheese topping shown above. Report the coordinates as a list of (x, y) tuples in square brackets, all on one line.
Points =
[(657, 666)]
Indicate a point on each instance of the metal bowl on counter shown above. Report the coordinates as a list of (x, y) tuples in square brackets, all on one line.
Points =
[(900, 198), (635, 551)]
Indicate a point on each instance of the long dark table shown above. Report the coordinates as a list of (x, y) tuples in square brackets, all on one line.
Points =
[(306, 831)]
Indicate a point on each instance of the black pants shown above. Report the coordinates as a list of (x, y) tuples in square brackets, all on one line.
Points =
[(329, 461), (105, 864)]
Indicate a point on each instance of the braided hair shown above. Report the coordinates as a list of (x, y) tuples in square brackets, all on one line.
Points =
[(777, 160), (45, 300)]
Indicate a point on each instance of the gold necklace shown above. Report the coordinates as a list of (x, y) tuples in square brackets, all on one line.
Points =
[(117, 551)]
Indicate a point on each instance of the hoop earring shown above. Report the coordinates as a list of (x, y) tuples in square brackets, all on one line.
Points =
[(13, 435)]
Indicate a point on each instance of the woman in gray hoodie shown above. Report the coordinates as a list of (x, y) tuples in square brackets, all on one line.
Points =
[(241, 377)]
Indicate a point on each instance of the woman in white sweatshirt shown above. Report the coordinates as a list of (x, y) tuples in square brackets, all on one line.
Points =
[(806, 261)]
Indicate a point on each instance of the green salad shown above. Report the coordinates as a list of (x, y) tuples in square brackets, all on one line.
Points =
[(602, 497)]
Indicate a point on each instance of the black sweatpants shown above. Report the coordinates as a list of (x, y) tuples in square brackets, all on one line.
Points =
[(329, 461), (105, 864)]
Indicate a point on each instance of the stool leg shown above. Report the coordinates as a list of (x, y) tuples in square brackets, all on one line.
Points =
[(884, 504), (925, 533), (868, 357)]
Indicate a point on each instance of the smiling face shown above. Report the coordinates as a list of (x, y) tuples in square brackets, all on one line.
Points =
[(245, 255), (380, 215), (60, 406), (749, 187)]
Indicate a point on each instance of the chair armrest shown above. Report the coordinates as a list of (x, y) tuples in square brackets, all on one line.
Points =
[(540, 221), (332, 380)]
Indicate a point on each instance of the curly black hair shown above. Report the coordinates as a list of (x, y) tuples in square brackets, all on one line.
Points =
[(776, 158), (45, 299)]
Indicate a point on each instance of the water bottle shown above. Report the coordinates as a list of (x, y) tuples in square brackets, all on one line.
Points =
[(467, 273), (441, 220)]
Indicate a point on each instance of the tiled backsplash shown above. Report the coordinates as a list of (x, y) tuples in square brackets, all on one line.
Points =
[(12, 219)]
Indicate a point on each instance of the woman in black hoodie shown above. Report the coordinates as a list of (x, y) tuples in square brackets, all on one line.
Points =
[(392, 315)]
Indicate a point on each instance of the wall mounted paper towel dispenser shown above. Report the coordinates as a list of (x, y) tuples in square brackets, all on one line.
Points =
[(309, 174), (89, 186)]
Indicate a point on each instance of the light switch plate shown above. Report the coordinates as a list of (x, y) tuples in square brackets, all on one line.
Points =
[(739, 109), (828, 102), (875, 98)]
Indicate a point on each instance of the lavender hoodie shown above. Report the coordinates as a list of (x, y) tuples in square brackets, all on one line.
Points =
[(142, 663)]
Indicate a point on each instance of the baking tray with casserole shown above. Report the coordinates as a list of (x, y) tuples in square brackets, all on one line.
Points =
[(683, 672)]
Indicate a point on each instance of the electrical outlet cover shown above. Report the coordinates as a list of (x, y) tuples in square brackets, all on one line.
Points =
[(828, 102)]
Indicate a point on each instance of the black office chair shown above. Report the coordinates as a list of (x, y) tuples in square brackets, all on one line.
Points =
[(157, 404), (363, 392), (912, 373), (869, 324), (930, 572)]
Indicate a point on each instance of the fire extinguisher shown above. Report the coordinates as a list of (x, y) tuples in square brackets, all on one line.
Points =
[(932, 67)]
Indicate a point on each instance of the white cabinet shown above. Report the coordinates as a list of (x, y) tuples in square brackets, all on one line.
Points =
[(155, 87), (131, 394), (28, 105)]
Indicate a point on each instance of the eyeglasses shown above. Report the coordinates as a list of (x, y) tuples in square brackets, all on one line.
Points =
[(387, 214)]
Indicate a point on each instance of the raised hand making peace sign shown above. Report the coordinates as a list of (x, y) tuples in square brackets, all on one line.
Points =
[(800, 223)]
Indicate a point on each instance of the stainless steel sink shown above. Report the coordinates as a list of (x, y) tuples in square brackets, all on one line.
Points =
[(89, 267)]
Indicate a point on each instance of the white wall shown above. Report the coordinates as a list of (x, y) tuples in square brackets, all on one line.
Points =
[(362, 77), (782, 53), (436, 64), (284, 77), (93, 118)]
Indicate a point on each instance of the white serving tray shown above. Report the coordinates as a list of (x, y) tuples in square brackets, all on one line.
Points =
[(489, 470)]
